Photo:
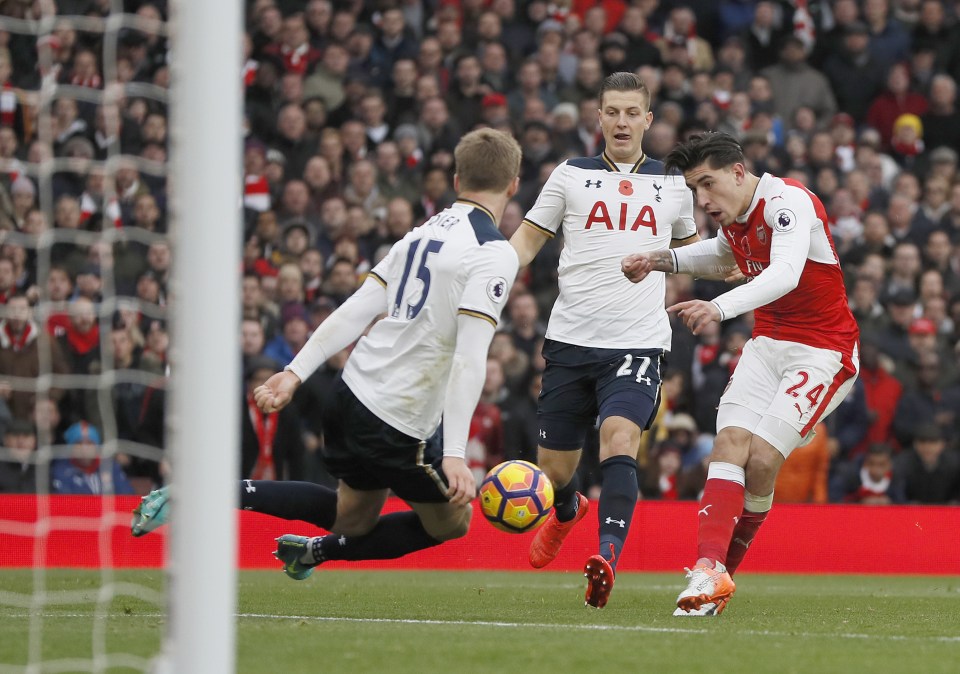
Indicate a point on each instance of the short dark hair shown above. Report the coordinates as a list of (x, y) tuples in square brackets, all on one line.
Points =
[(714, 148), (624, 81)]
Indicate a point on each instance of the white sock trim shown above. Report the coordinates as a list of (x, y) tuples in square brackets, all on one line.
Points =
[(757, 504), (718, 470)]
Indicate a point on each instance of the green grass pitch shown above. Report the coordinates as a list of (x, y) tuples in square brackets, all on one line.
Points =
[(420, 622)]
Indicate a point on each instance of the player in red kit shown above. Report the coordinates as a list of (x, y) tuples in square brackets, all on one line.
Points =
[(800, 363)]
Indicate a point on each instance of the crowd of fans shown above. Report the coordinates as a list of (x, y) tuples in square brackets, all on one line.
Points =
[(352, 111)]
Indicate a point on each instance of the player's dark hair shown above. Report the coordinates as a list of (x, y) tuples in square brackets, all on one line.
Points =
[(624, 81), (715, 149)]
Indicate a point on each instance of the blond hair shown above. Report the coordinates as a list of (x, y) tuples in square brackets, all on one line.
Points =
[(487, 160)]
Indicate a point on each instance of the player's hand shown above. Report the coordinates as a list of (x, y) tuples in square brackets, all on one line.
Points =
[(636, 267), (696, 314), (462, 487), (734, 275), (276, 392)]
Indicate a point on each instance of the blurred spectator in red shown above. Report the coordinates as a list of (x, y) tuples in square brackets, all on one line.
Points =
[(271, 444), (485, 441), (868, 480), (293, 52), (896, 100)]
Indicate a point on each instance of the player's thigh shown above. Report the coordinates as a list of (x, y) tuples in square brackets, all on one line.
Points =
[(444, 521), (368, 454), (628, 394), (781, 390), (567, 406), (357, 510)]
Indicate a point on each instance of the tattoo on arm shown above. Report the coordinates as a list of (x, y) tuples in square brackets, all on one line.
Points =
[(662, 260)]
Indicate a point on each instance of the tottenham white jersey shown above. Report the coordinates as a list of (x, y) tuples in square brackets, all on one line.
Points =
[(457, 262), (606, 212)]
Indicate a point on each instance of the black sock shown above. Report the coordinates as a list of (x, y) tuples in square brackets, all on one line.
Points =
[(395, 535), (565, 501), (618, 498), (304, 501)]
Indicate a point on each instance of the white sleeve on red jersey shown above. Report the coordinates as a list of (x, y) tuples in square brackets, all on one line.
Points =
[(710, 256), (548, 211), (791, 219)]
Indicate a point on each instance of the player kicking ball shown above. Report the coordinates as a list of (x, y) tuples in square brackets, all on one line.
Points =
[(800, 363), (442, 289)]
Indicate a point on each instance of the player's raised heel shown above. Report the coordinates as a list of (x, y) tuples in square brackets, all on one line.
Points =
[(599, 576), (290, 548), (545, 546), (706, 586), (152, 512)]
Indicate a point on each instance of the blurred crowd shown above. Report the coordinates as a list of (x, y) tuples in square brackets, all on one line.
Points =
[(352, 110)]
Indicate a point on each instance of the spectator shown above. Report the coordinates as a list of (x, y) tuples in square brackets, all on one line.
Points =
[(85, 471), (271, 445), (923, 404), (794, 83), (18, 475), (294, 331), (856, 73), (896, 100), (20, 355), (803, 479), (930, 473), (868, 480), (485, 441)]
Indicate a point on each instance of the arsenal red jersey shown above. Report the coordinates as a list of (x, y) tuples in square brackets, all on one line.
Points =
[(787, 224)]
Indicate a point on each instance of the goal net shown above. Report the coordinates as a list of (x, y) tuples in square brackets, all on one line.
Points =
[(119, 241)]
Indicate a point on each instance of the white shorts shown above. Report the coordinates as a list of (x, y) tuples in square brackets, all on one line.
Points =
[(781, 390)]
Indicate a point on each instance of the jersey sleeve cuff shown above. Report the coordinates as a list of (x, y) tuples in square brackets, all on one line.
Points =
[(723, 314)]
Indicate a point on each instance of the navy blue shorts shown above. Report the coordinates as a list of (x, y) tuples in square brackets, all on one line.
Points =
[(582, 383), (369, 454)]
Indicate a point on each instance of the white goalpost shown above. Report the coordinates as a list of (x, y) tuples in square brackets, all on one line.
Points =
[(206, 178)]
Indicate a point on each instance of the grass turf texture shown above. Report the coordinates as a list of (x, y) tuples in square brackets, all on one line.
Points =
[(396, 622)]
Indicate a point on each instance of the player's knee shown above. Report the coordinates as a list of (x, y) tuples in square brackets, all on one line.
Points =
[(558, 467), (731, 445), (620, 443), (762, 468), (455, 526)]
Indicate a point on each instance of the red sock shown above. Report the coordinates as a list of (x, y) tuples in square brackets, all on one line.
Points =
[(720, 505), (743, 535)]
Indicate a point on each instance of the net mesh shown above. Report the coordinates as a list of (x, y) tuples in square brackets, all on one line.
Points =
[(92, 218)]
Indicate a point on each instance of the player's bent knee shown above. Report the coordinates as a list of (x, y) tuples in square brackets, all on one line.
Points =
[(731, 445), (354, 523), (456, 525)]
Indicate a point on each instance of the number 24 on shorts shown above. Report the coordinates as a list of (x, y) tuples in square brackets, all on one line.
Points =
[(813, 395)]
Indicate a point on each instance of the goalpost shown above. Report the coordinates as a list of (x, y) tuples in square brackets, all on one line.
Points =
[(206, 171), (205, 178)]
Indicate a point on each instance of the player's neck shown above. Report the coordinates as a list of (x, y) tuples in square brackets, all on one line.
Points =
[(749, 191), (493, 202)]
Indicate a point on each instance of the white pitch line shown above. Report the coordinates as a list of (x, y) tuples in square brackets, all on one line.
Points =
[(559, 626), (600, 628)]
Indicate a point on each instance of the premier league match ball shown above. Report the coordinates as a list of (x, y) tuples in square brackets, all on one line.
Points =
[(516, 497)]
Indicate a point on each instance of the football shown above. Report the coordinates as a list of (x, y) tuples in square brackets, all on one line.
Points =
[(516, 496)]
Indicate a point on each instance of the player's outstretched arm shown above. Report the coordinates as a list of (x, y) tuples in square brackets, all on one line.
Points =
[(637, 266), (527, 241), (467, 373)]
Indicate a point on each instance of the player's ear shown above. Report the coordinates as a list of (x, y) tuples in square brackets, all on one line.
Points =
[(649, 119), (514, 187), (456, 183)]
